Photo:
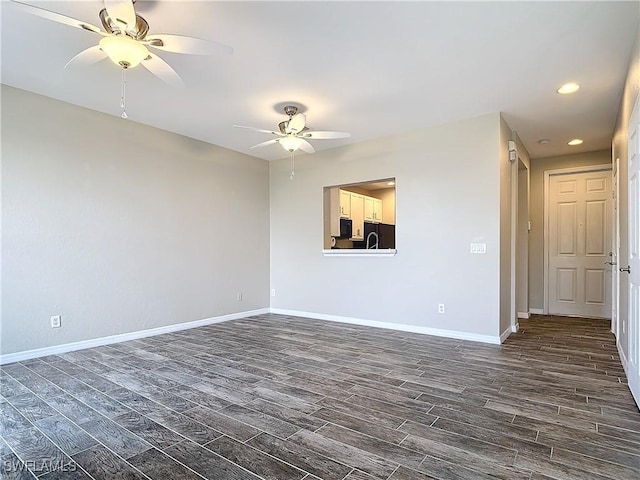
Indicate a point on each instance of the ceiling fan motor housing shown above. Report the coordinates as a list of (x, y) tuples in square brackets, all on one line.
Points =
[(138, 33), (290, 110)]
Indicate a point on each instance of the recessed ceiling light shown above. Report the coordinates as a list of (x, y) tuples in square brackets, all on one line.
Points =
[(391, 184), (568, 88), (575, 141), (544, 141)]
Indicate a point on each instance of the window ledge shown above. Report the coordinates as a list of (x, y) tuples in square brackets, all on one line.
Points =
[(357, 252)]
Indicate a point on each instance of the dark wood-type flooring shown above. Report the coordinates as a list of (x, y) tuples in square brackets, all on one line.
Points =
[(285, 398)]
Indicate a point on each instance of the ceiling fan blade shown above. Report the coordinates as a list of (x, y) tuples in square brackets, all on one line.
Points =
[(57, 17), (87, 57), (162, 70), (306, 147), (297, 123), (322, 135), (261, 130), (191, 45), (268, 142), (121, 11)]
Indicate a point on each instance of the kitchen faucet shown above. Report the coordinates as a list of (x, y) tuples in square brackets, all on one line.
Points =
[(375, 245)]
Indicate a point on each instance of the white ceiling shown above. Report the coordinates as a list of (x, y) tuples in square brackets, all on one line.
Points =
[(369, 68)]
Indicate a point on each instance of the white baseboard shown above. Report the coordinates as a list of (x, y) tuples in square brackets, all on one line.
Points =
[(97, 342), (474, 337), (623, 357), (524, 315), (123, 337), (515, 328), (504, 335), (625, 367), (536, 311)]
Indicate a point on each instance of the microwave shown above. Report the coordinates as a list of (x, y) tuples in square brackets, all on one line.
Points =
[(346, 228)]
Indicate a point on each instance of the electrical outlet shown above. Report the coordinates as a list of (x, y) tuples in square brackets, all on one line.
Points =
[(239, 296), (273, 292), (441, 308), (56, 321)]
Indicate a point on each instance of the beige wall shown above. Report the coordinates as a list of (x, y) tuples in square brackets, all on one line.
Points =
[(448, 196), (536, 235), (388, 197), (120, 227), (619, 150)]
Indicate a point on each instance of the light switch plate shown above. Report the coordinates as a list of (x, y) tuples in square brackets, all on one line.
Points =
[(478, 248)]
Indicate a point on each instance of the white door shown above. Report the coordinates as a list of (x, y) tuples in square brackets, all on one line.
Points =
[(633, 269), (579, 242)]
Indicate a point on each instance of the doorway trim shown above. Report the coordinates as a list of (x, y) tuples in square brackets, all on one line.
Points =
[(615, 248), (547, 179), (520, 199)]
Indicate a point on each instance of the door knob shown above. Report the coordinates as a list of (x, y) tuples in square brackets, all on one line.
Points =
[(628, 269), (610, 263)]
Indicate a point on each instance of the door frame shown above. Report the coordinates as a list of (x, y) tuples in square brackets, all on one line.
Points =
[(520, 194), (547, 179), (615, 248)]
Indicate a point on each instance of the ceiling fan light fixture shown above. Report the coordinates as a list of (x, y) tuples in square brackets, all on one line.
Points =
[(568, 88), (291, 143), (123, 50)]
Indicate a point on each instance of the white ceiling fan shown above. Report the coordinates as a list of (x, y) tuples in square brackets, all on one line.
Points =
[(293, 133), (125, 40)]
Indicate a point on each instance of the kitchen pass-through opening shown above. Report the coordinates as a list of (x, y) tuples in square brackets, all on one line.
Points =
[(360, 217)]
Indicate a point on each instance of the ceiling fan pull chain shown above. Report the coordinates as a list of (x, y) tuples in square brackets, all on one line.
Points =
[(123, 98), (293, 168)]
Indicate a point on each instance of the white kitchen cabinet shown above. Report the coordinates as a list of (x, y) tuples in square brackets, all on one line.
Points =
[(340, 205), (372, 210), (357, 216), (334, 212), (377, 210), (368, 209), (356, 207), (345, 204)]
